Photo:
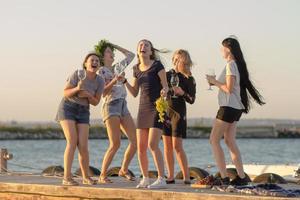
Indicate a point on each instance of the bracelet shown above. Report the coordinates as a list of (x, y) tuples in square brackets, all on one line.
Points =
[(125, 81)]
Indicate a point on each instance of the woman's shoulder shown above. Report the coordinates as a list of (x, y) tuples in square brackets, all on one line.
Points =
[(100, 79), (158, 63), (135, 67), (231, 68), (157, 66), (231, 64)]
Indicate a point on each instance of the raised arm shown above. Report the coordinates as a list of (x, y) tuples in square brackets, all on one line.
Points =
[(128, 54)]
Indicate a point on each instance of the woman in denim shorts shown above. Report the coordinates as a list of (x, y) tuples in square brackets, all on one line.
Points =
[(84, 87), (115, 113)]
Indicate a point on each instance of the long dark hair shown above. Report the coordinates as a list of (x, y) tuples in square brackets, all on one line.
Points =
[(245, 82)]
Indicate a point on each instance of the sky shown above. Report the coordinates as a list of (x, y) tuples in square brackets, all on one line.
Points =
[(43, 42)]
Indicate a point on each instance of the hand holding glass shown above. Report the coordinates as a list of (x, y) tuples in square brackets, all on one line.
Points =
[(174, 81), (210, 72)]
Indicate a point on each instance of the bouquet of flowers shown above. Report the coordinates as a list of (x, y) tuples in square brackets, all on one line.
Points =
[(162, 108)]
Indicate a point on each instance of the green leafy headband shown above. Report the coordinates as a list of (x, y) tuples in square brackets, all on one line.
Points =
[(101, 46)]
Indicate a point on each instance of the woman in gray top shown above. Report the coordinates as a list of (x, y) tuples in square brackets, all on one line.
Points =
[(115, 113), (84, 87), (234, 88)]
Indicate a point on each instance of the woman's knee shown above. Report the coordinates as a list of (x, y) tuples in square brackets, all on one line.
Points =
[(153, 146), (177, 147), (113, 147), (230, 143), (83, 148), (213, 140), (71, 145), (133, 144)]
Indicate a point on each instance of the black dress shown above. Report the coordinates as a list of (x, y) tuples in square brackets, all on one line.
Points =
[(150, 87), (175, 127)]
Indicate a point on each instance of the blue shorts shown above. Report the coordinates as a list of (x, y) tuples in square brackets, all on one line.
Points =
[(68, 110), (117, 107)]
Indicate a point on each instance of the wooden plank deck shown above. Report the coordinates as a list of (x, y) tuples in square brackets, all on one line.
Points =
[(25, 187)]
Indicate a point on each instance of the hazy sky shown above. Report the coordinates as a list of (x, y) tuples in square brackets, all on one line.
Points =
[(43, 42)]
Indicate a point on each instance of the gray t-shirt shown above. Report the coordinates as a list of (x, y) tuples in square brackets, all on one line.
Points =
[(233, 99), (94, 87), (118, 91)]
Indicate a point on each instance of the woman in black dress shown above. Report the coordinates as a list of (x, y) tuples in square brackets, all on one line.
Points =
[(184, 90), (149, 77)]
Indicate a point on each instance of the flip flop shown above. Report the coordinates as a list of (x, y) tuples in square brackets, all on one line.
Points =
[(126, 175), (104, 180), (88, 181)]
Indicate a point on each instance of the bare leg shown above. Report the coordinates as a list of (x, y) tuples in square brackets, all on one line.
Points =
[(142, 144), (169, 158), (153, 143), (83, 148), (69, 129), (114, 136), (235, 154), (181, 157), (128, 128), (217, 132)]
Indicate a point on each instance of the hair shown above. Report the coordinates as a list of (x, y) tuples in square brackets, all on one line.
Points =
[(87, 57), (155, 52), (188, 63), (245, 83), (101, 47)]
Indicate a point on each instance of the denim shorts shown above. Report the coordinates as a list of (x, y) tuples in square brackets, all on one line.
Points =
[(68, 110), (117, 107)]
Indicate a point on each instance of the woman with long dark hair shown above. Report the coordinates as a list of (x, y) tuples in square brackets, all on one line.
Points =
[(235, 89), (150, 79)]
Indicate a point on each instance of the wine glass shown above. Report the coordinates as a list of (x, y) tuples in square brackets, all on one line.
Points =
[(81, 73), (118, 71), (174, 81), (210, 72)]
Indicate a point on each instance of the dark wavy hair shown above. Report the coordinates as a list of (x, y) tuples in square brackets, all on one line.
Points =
[(101, 47), (245, 83), (92, 53)]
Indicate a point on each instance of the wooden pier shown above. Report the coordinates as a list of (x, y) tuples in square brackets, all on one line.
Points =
[(25, 187)]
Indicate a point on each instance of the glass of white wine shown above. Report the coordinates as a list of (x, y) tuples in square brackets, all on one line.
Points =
[(174, 81), (210, 72), (81, 73), (118, 71)]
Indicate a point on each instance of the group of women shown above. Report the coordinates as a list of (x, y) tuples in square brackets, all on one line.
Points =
[(151, 81)]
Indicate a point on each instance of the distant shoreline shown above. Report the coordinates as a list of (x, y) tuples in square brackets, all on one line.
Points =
[(99, 132)]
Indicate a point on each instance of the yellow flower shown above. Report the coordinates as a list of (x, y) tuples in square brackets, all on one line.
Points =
[(162, 107)]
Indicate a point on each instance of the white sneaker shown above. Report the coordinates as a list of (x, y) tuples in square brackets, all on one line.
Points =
[(144, 183), (158, 184)]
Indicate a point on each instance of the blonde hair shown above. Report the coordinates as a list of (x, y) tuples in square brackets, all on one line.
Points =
[(186, 58)]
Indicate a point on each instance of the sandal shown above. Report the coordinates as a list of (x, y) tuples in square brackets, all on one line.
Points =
[(69, 182), (88, 181), (126, 175), (104, 180)]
